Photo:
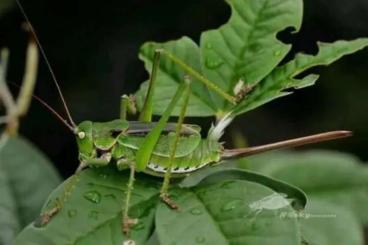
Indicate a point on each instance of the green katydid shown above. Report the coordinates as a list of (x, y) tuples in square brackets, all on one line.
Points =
[(159, 148)]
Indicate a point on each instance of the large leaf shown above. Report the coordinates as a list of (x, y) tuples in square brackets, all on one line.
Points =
[(9, 224), (31, 177), (228, 212), (92, 211), (328, 176), (218, 174), (283, 78), (246, 48)]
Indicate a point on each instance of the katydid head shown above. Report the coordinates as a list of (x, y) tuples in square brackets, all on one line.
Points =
[(84, 137)]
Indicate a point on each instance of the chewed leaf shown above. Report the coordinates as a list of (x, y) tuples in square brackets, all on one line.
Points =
[(227, 212), (283, 77), (245, 48)]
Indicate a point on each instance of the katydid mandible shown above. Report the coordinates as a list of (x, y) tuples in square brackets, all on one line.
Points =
[(158, 148)]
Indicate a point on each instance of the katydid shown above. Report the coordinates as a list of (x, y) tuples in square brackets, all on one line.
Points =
[(159, 148)]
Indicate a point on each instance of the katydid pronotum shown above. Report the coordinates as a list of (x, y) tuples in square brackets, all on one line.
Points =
[(159, 148)]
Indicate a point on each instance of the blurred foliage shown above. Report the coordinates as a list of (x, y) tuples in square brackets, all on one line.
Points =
[(27, 178), (336, 185)]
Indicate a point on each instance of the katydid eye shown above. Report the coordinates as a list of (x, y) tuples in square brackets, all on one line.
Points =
[(81, 135)]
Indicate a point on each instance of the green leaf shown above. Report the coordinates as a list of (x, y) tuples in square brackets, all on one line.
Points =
[(217, 174), (30, 177), (227, 212), (246, 48), (9, 224), (283, 78), (92, 212), (329, 176), (326, 223)]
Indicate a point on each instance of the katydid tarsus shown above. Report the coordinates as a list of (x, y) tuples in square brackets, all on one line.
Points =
[(158, 148)]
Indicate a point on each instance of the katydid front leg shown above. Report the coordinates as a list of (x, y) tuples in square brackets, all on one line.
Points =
[(127, 221)]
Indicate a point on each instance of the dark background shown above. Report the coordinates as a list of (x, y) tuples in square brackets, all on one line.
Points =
[(93, 46)]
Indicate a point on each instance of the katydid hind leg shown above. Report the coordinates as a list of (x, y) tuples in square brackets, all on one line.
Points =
[(164, 192), (147, 110)]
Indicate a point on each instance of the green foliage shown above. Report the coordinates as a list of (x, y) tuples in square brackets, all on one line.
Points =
[(217, 206), (92, 212), (244, 50), (336, 184), (27, 178)]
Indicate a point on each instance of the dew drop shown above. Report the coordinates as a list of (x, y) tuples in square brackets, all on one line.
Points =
[(93, 196), (72, 213), (277, 53), (200, 239), (110, 196), (232, 205), (196, 211), (104, 176), (93, 215), (213, 63)]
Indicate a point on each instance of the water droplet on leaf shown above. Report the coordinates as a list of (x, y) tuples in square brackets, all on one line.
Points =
[(93, 196), (213, 63), (196, 211), (232, 205), (104, 176), (110, 196), (277, 53), (72, 213)]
